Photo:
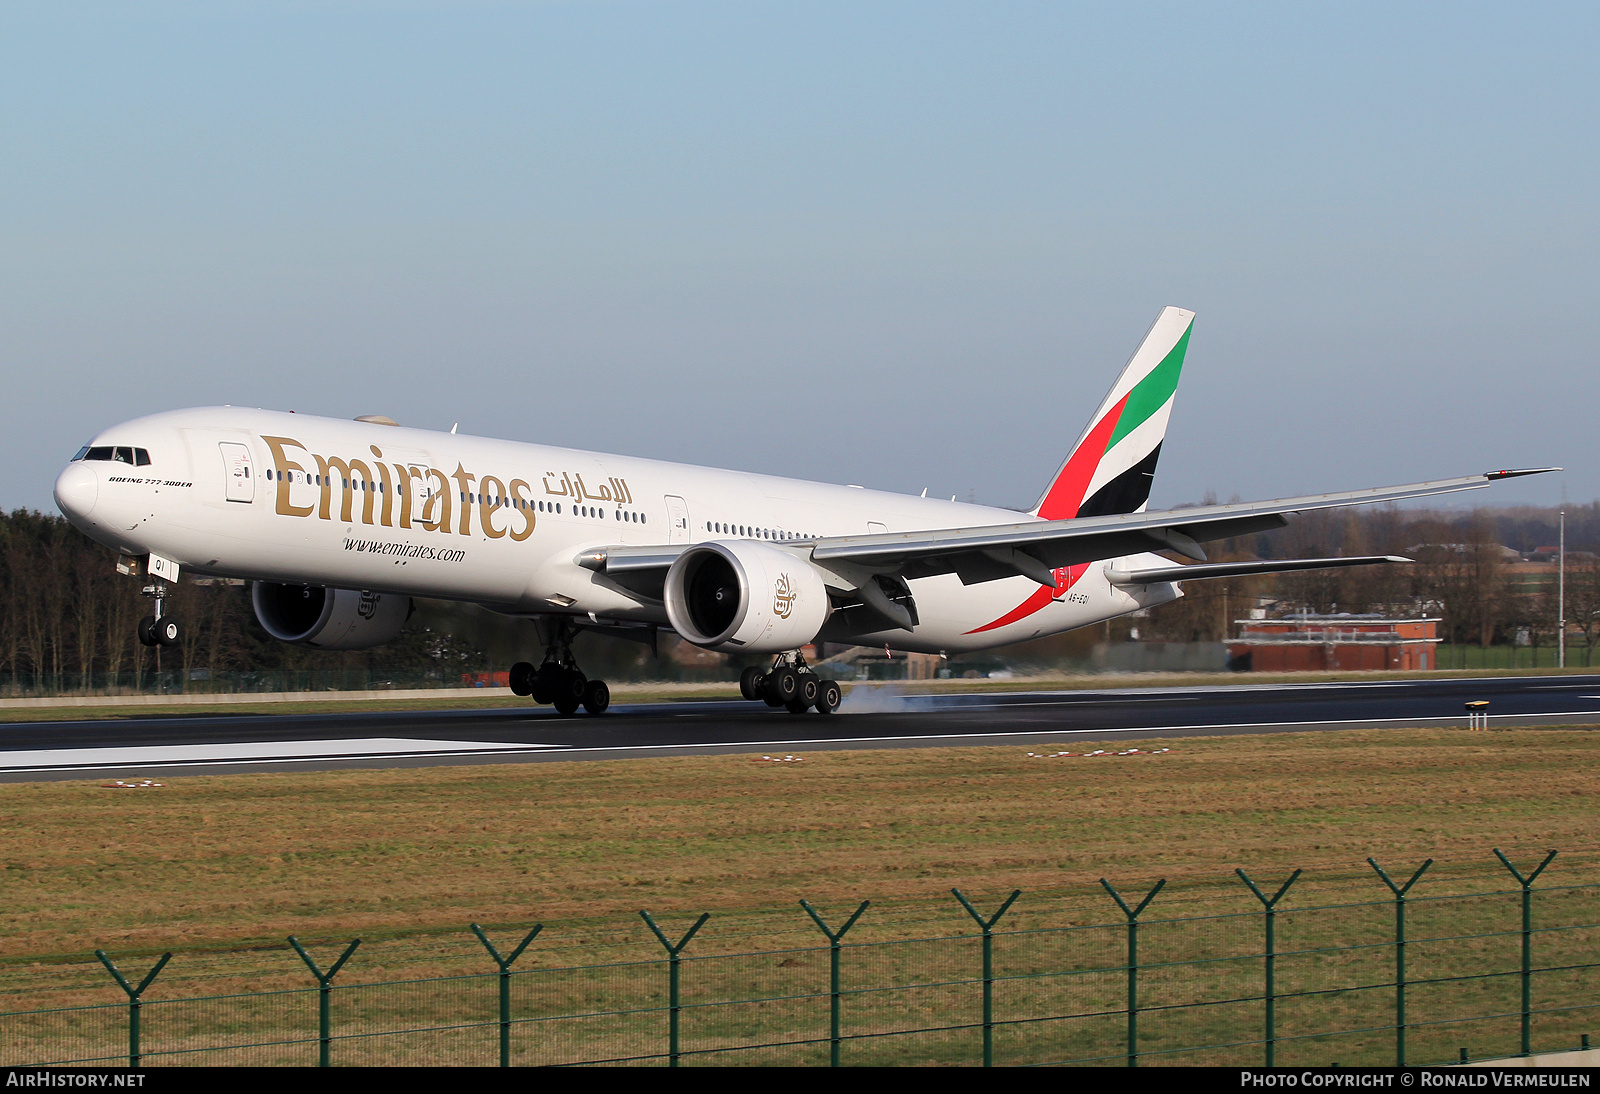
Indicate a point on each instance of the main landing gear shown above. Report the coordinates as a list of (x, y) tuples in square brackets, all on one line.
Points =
[(790, 683), (156, 629), (558, 680)]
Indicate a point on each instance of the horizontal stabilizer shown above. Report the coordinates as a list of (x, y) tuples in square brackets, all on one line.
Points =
[(1240, 569)]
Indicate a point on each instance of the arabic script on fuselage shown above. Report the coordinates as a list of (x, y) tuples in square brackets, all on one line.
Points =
[(572, 486)]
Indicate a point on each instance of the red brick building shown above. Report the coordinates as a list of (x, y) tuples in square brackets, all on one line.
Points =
[(1303, 643)]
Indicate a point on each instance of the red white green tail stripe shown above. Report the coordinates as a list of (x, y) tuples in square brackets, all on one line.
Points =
[(1114, 462)]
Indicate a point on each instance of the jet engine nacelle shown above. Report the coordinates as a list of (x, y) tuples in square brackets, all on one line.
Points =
[(737, 596), (328, 619)]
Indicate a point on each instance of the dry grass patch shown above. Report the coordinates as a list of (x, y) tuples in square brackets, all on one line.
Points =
[(220, 860)]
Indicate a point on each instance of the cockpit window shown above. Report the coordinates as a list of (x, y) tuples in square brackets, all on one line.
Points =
[(139, 457)]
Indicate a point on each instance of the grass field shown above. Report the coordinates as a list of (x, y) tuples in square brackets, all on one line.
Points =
[(221, 868)]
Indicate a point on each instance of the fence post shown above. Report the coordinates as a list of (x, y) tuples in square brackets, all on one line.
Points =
[(1270, 995), (134, 1001), (834, 938), (672, 978), (988, 967), (1133, 962), (324, 990), (505, 985), (1527, 943), (1399, 955)]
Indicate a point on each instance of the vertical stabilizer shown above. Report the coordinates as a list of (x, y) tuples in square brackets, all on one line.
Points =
[(1114, 462)]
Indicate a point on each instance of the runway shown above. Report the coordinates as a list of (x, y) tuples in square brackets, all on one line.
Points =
[(872, 717)]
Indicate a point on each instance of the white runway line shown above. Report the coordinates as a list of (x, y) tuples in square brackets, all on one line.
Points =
[(1043, 732), (250, 752)]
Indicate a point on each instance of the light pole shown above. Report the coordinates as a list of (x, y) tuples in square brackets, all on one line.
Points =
[(1561, 594)]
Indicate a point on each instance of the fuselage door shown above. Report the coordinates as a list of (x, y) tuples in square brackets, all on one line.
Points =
[(240, 472), (422, 490), (677, 520)]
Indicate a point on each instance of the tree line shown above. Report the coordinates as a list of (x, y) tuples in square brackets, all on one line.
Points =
[(68, 614), (70, 618), (1461, 574)]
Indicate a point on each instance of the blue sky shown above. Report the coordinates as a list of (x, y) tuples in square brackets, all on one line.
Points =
[(902, 245)]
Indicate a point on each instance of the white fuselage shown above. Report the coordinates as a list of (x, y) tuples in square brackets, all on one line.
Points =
[(259, 494)]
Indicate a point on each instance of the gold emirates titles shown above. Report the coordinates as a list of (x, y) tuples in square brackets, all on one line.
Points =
[(393, 483)]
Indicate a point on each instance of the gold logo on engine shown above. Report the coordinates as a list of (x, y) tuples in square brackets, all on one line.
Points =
[(782, 597)]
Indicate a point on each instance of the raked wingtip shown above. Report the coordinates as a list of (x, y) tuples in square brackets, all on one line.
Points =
[(1518, 473)]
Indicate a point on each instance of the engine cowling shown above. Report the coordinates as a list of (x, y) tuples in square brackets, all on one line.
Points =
[(328, 619), (737, 596)]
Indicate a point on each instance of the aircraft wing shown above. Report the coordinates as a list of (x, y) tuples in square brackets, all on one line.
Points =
[(1035, 548)]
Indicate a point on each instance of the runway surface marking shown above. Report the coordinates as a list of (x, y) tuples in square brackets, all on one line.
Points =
[(252, 752), (979, 734)]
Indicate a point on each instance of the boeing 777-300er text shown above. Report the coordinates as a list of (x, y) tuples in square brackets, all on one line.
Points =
[(340, 523)]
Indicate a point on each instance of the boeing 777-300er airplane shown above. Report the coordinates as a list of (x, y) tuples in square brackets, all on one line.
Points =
[(340, 523)]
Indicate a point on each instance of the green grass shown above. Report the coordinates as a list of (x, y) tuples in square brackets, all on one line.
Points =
[(1516, 659)]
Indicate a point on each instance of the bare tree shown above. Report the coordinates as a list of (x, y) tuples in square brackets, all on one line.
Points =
[(1467, 580), (1583, 601)]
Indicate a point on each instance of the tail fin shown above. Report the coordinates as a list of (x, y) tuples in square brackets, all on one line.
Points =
[(1114, 462)]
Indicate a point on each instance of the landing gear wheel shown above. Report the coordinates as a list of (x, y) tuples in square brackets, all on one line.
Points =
[(558, 680), (750, 682), (809, 686), (797, 706), (784, 684), (167, 632), (829, 696), (767, 691), (522, 677), (147, 631), (545, 683), (570, 690)]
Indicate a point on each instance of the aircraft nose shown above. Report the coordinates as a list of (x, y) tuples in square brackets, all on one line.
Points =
[(77, 489)]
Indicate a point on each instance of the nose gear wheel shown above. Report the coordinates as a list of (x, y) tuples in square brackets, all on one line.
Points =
[(158, 629)]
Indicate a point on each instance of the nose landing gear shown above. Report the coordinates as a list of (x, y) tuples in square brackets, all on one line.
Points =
[(791, 684), (155, 629), (558, 681)]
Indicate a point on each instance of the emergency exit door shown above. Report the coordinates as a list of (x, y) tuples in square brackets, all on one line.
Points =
[(677, 520), (240, 476)]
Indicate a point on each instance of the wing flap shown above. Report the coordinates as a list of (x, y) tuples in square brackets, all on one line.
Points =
[(1158, 574)]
